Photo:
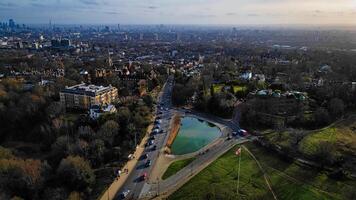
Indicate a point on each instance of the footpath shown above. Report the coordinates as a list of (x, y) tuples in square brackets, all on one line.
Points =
[(114, 188)]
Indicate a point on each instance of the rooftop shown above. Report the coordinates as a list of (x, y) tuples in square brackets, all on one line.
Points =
[(84, 89)]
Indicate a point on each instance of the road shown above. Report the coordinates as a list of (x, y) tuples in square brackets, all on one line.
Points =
[(142, 189), (204, 157), (134, 182)]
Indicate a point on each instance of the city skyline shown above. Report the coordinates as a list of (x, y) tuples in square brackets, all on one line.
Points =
[(229, 12)]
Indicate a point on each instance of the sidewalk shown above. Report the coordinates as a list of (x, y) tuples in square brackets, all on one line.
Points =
[(114, 188)]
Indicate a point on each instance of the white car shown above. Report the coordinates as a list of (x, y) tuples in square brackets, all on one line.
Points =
[(124, 194)]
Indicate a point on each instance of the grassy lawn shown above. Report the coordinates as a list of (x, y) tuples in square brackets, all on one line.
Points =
[(176, 166), (289, 181), (217, 88), (237, 88), (342, 135)]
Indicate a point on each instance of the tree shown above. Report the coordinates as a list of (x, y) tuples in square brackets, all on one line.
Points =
[(54, 193), (148, 100), (108, 131), (349, 193), (5, 153), (96, 152), (24, 178), (336, 107), (76, 173), (324, 153), (321, 116), (86, 132), (74, 196), (54, 109), (295, 137)]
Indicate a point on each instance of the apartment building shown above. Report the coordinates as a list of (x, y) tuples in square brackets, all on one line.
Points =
[(84, 96)]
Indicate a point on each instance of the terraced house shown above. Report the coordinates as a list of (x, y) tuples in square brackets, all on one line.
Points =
[(84, 96)]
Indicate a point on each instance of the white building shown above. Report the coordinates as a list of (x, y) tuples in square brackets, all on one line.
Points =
[(96, 111)]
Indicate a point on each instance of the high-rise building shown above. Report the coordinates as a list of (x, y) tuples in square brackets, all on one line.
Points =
[(55, 43), (118, 27), (12, 23), (65, 43)]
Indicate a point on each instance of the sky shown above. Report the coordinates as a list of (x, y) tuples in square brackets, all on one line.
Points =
[(224, 12)]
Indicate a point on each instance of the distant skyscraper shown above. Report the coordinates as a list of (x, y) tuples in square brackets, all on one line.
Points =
[(65, 43), (118, 27), (55, 43), (178, 36), (12, 23)]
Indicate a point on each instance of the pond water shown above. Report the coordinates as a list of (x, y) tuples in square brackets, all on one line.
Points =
[(193, 135)]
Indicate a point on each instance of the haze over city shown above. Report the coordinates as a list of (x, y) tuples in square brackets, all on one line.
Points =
[(177, 99), (254, 12)]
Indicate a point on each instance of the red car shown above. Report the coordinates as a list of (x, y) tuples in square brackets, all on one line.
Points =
[(144, 176)]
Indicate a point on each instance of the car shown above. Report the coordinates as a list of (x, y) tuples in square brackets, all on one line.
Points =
[(144, 156), (242, 132), (152, 137), (161, 131), (151, 142), (154, 148), (124, 194), (148, 163), (143, 176)]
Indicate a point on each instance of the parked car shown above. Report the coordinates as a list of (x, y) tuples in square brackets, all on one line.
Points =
[(148, 163), (143, 176), (151, 142), (144, 156), (154, 148), (124, 194)]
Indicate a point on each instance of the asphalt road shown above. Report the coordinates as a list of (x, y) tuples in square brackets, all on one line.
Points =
[(166, 187), (134, 183)]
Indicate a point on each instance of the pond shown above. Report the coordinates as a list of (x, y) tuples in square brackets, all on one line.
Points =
[(193, 135)]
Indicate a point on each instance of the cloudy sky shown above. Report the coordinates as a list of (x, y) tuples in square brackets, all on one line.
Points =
[(334, 12)]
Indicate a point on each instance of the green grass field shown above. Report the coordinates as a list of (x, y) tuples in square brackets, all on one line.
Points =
[(342, 136), (176, 166), (289, 181)]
